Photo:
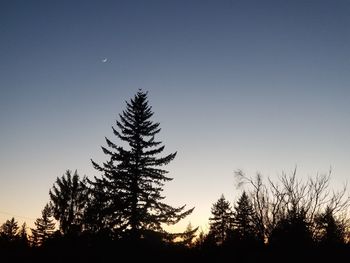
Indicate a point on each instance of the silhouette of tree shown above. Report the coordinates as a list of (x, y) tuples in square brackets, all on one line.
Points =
[(265, 207), (292, 231), (199, 241), (23, 236), (189, 235), (243, 220), (68, 196), (98, 216), (132, 181), (9, 230), (221, 221), (331, 232), (44, 227), (276, 204)]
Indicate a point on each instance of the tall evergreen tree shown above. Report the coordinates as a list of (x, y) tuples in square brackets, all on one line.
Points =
[(221, 220), (44, 226), (243, 220), (132, 180), (68, 196)]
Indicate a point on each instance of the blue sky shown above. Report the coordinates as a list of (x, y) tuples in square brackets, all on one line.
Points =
[(253, 85)]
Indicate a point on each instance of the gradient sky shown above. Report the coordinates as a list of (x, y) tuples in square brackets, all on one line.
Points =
[(253, 85)]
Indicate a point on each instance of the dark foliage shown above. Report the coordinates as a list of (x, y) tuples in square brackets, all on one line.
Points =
[(9, 231), (120, 215), (244, 229), (331, 231), (69, 198), (129, 192), (221, 221), (44, 227)]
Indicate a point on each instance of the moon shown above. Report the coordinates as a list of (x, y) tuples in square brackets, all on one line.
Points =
[(104, 60)]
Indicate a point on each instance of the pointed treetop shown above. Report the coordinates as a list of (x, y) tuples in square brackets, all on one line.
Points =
[(134, 174)]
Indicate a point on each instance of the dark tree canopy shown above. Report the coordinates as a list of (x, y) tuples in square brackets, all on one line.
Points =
[(292, 231), (221, 220), (243, 221), (331, 230), (189, 235), (23, 235), (130, 189), (68, 196), (9, 230), (44, 226)]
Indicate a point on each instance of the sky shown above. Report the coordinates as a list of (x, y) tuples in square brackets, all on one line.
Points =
[(261, 86)]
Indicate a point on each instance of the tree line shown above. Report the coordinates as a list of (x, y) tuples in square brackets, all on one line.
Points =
[(123, 210)]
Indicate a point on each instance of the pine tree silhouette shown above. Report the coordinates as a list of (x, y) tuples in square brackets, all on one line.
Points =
[(69, 197), (221, 220), (23, 235), (292, 231), (9, 230), (189, 235), (44, 227), (132, 180), (332, 231), (243, 220)]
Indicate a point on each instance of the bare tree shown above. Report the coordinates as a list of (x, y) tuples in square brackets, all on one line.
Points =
[(276, 201)]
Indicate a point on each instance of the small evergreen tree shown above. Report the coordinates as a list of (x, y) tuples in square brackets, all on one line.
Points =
[(189, 235), (132, 180), (221, 221), (9, 230), (68, 196), (199, 241), (332, 231), (243, 219), (44, 227), (23, 236)]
